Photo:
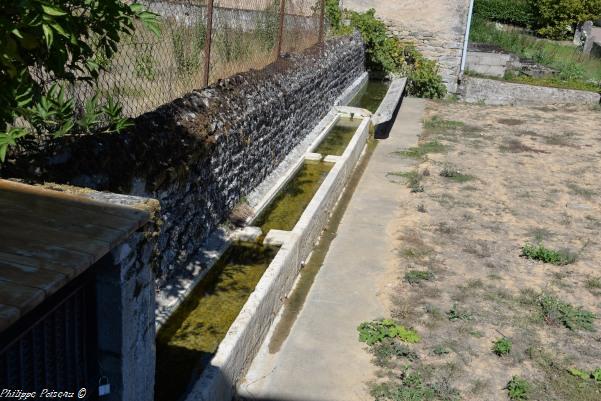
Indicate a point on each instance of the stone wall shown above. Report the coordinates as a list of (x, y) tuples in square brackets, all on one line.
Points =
[(200, 154), (437, 27), (493, 92)]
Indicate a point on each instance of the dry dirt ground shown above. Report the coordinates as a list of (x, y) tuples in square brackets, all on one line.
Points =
[(487, 181)]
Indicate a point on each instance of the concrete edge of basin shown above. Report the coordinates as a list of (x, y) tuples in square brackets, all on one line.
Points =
[(247, 333)]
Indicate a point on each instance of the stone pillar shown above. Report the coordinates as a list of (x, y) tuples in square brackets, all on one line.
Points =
[(584, 36), (125, 298)]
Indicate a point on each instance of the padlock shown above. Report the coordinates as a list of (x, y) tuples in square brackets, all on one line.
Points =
[(104, 387)]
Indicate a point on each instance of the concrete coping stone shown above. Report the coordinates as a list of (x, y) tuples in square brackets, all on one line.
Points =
[(386, 109), (246, 234), (313, 156), (277, 237), (331, 159)]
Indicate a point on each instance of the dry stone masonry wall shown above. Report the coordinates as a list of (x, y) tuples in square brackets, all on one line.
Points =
[(201, 154)]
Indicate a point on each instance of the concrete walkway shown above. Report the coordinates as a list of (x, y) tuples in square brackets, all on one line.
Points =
[(322, 359)]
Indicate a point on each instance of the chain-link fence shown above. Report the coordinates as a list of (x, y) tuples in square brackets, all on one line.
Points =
[(202, 41)]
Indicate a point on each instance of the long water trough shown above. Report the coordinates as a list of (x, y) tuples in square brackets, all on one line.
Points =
[(204, 347)]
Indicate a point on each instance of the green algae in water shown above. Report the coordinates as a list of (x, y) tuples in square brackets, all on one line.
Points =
[(371, 95), (339, 137), (285, 210), (188, 340)]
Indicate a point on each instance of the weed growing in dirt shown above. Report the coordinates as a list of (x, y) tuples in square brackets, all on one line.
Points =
[(410, 386), (518, 389), (455, 175), (580, 191), (417, 276), (556, 311), (412, 178), (502, 346), (389, 349), (377, 330), (561, 382), (437, 123), (440, 350), (423, 149), (593, 284), (546, 255), (455, 314)]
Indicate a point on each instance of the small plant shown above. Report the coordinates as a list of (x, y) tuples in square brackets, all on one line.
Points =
[(377, 330), (546, 255), (421, 208), (579, 373), (423, 149), (597, 375), (502, 346), (556, 311), (417, 276), (413, 179), (454, 174), (437, 123), (455, 314), (518, 389), (440, 350), (390, 348)]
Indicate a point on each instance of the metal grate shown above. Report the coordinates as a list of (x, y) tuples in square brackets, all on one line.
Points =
[(53, 346)]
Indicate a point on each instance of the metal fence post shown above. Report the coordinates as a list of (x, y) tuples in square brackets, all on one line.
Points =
[(322, 4), (281, 27), (209, 35)]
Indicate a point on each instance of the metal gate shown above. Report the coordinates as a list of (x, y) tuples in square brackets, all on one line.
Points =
[(54, 346)]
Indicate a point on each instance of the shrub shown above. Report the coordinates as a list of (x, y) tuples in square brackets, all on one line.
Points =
[(518, 389), (502, 346), (556, 18), (546, 255), (557, 311), (516, 12), (377, 330), (387, 54), (417, 276)]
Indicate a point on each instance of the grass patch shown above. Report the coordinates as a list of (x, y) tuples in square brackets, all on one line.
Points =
[(561, 382), (389, 349), (437, 123), (417, 276), (517, 146), (455, 175), (412, 178), (377, 330), (502, 346), (546, 255), (420, 151), (575, 70), (410, 386), (518, 389), (581, 191), (556, 311), (455, 314)]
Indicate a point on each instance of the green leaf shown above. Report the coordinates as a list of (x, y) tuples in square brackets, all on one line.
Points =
[(48, 35), (54, 11), (59, 29)]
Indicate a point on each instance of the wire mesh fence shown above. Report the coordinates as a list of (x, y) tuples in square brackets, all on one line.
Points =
[(202, 41)]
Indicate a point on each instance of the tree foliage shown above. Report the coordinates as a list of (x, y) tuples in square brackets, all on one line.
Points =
[(47, 45), (556, 18)]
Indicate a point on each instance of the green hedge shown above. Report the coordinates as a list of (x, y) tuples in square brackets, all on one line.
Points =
[(515, 12)]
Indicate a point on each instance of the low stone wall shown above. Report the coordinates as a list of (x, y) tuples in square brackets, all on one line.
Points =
[(199, 155), (493, 92)]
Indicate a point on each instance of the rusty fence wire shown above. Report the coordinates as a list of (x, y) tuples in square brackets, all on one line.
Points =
[(202, 41)]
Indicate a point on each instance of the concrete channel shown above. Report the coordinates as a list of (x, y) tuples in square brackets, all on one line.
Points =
[(285, 245)]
